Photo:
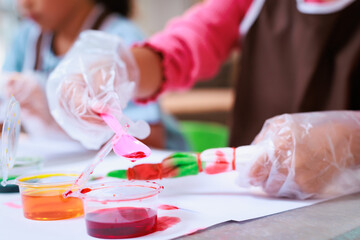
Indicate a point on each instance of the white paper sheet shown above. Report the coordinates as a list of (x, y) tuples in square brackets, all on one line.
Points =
[(203, 201), (49, 149)]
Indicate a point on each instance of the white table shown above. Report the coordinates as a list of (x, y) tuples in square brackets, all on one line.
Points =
[(203, 200)]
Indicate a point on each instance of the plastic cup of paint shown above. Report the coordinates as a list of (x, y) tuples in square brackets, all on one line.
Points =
[(42, 197), (121, 209)]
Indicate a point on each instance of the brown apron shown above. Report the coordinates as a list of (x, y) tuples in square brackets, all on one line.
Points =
[(295, 62)]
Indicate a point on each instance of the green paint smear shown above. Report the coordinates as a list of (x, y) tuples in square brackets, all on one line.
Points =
[(9, 178), (185, 163), (118, 174)]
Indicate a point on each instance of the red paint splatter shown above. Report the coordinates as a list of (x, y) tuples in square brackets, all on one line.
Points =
[(151, 171), (166, 222), (67, 193), (219, 166), (132, 160), (144, 172), (198, 160), (85, 190), (167, 207), (13, 205), (135, 155)]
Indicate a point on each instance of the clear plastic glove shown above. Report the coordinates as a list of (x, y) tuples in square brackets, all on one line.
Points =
[(97, 75), (28, 89), (307, 155)]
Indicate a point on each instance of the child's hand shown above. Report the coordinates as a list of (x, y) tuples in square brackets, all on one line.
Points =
[(28, 90), (309, 154), (97, 75)]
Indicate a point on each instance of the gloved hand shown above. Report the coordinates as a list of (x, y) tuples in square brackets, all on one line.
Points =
[(308, 155), (28, 89), (97, 75)]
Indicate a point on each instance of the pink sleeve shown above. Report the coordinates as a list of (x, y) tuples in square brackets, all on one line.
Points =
[(194, 46)]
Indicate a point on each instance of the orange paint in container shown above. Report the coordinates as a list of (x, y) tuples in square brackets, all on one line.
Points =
[(42, 197)]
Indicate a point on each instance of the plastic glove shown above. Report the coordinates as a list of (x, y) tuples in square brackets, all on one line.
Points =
[(28, 89), (307, 155), (97, 75)]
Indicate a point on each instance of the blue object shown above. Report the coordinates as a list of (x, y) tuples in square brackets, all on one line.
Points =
[(21, 57)]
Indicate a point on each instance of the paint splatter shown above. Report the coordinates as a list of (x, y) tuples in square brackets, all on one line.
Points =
[(13, 205), (219, 166), (67, 193), (145, 172), (85, 190), (167, 207), (166, 222)]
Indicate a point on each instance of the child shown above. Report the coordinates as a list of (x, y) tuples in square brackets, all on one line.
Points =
[(297, 56), (41, 43)]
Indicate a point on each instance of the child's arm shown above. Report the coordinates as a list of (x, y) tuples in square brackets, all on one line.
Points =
[(190, 48)]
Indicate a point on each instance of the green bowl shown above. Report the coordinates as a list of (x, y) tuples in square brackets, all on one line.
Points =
[(204, 135)]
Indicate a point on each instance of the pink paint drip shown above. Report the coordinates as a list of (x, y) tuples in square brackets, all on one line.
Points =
[(167, 207), (166, 222), (13, 205)]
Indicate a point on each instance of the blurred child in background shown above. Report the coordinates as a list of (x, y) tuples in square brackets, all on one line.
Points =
[(40, 45)]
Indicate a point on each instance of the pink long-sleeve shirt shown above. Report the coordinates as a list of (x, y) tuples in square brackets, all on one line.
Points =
[(194, 45)]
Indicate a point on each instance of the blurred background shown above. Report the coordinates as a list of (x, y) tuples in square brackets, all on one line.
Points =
[(208, 101)]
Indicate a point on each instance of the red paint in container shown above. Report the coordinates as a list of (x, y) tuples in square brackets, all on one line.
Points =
[(122, 222), (121, 209)]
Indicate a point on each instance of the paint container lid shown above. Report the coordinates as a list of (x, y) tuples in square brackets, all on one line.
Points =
[(121, 191), (9, 137), (9, 188), (22, 165), (46, 179)]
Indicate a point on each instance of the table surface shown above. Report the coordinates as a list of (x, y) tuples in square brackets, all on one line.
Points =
[(334, 219)]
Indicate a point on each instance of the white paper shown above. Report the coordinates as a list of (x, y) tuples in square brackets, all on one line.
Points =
[(49, 149), (203, 201)]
